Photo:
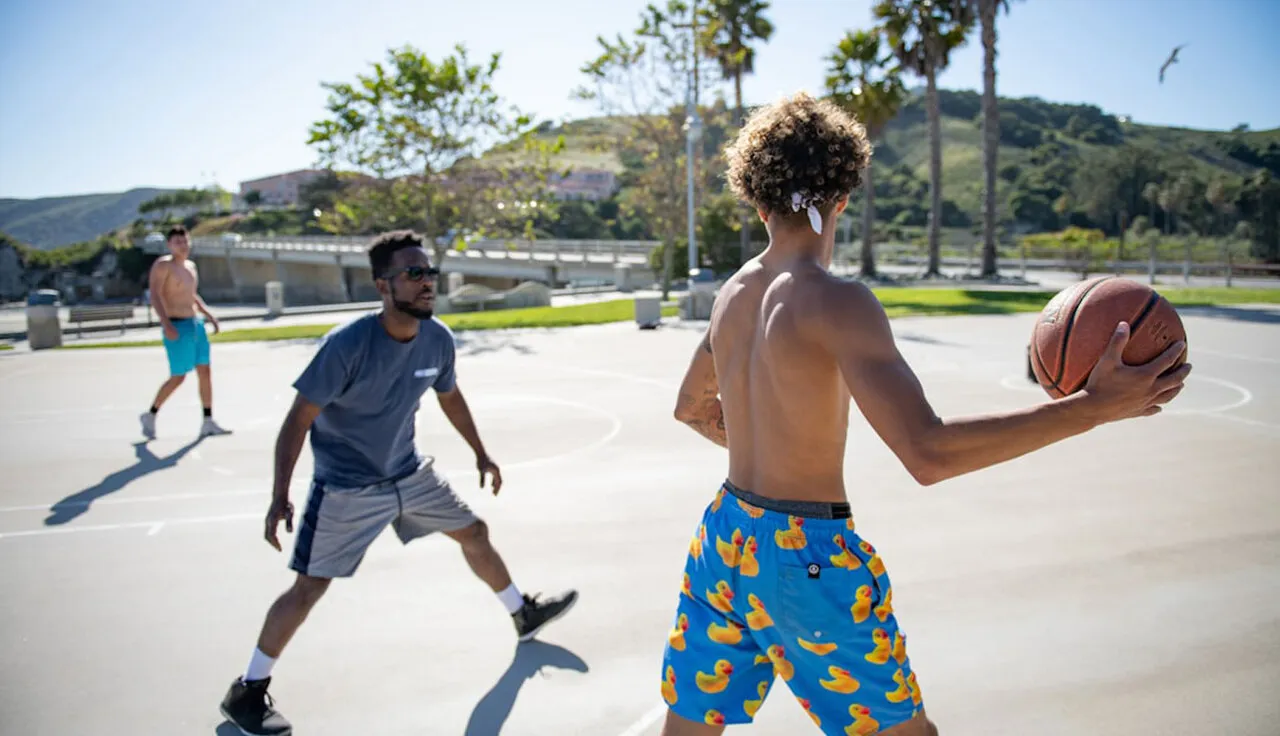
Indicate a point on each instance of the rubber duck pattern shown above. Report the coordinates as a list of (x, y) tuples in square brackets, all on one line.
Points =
[(766, 595)]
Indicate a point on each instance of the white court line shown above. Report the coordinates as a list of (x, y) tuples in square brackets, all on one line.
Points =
[(152, 526), (652, 716), (265, 491), (1019, 382), (1237, 356), (1246, 396), (609, 436)]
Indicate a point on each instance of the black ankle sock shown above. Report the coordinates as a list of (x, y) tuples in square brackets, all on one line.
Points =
[(154, 408), (208, 412)]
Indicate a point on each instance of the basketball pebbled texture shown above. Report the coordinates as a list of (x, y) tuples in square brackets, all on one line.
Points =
[(1075, 326)]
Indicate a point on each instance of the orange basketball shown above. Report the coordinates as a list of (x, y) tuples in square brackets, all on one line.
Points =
[(1073, 330)]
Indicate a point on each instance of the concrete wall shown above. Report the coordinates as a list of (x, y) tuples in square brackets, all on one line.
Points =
[(331, 276), (307, 283)]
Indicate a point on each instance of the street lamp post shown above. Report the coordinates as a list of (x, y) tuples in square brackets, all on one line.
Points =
[(692, 133)]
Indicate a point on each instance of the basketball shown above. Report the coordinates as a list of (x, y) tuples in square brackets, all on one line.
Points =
[(1073, 330)]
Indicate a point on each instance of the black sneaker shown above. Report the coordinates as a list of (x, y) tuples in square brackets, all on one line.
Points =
[(535, 614), (250, 708)]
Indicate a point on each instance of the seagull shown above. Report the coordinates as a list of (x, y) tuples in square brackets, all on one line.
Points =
[(1173, 59)]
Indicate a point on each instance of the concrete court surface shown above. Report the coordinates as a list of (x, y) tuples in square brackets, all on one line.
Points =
[(1125, 581)]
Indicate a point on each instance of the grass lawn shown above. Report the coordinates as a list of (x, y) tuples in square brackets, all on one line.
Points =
[(904, 302), (897, 301), (617, 310)]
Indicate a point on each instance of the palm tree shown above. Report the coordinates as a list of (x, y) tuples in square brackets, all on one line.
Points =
[(922, 34), (860, 80), (990, 131), (728, 29)]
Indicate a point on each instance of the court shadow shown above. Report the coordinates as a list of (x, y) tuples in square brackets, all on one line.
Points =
[(531, 657), (480, 342), (78, 503)]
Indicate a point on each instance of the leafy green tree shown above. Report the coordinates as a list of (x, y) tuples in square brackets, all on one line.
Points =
[(415, 127), (861, 80), (1110, 185), (1259, 204), (922, 34), (644, 79)]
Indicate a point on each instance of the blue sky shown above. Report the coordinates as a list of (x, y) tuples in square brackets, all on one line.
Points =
[(105, 95)]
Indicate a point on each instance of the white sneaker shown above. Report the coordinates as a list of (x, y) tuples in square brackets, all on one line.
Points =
[(210, 428), (148, 421)]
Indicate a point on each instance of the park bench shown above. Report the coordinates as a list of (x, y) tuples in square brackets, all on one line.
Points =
[(100, 313)]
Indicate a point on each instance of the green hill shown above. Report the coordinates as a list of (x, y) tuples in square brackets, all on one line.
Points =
[(1045, 148), (49, 222)]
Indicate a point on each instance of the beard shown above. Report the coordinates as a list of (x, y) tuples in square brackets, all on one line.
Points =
[(416, 312)]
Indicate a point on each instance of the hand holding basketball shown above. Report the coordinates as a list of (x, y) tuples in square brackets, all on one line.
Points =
[(1123, 391)]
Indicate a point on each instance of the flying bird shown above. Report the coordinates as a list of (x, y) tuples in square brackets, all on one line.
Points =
[(1173, 59)]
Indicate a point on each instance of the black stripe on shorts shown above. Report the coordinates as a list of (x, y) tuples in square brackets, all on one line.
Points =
[(307, 534)]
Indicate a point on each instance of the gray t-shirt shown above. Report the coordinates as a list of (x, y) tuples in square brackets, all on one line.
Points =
[(369, 386)]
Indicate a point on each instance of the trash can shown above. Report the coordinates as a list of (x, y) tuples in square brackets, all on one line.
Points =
[(702, 295), (648, 312), (44, 327), (275, 298)]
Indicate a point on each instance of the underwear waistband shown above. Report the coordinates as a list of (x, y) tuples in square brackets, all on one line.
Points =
[(803, 509)]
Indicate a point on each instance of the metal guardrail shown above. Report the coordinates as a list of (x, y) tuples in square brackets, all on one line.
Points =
[(359, 245)]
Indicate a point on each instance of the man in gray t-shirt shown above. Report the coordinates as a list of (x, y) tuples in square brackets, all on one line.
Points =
[(358, 399)]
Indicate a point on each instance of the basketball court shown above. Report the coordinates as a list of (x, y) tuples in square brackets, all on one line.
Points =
[(1121, 582)]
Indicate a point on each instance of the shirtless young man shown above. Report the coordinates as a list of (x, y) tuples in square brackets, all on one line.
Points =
[(777, 581), (174, 296)]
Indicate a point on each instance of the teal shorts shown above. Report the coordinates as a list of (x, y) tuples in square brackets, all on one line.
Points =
[(786, 589), (190, 349)]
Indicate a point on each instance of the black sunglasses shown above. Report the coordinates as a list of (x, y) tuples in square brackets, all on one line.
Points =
[(415, 273)]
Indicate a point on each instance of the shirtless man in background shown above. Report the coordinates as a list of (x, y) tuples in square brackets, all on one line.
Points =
[(174, 296), (777, 582)]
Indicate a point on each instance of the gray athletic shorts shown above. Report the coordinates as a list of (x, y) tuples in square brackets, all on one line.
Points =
[(339, 524)]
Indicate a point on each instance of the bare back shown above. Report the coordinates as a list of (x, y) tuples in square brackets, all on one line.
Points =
[(175, 283), (786, 405)]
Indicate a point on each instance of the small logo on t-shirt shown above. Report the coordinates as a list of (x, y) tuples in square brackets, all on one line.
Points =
[(814, 570), (426, 372)]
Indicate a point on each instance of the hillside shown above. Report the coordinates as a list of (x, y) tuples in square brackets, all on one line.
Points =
[(1047, 152), (50, 222), (1044, 146)]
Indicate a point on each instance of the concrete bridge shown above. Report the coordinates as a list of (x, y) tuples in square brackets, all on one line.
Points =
[(331, 269)]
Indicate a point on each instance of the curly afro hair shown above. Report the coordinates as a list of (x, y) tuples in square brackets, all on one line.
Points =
[(798, 144)]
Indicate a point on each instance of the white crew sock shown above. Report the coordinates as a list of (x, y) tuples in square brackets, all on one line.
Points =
[(511, 598), (259, 666)]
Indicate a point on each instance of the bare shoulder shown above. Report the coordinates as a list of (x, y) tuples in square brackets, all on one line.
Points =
[(846, 310), (162, 265)]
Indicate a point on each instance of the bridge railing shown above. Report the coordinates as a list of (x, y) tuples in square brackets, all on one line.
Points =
[(578, 250)]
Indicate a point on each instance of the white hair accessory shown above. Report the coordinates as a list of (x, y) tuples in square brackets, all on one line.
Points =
[(815, 219)]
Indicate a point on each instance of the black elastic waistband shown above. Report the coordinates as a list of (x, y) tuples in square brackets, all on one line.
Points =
[(803, 509)]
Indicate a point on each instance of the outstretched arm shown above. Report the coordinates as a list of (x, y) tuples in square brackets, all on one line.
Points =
[(934, 449), (698, 404)]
